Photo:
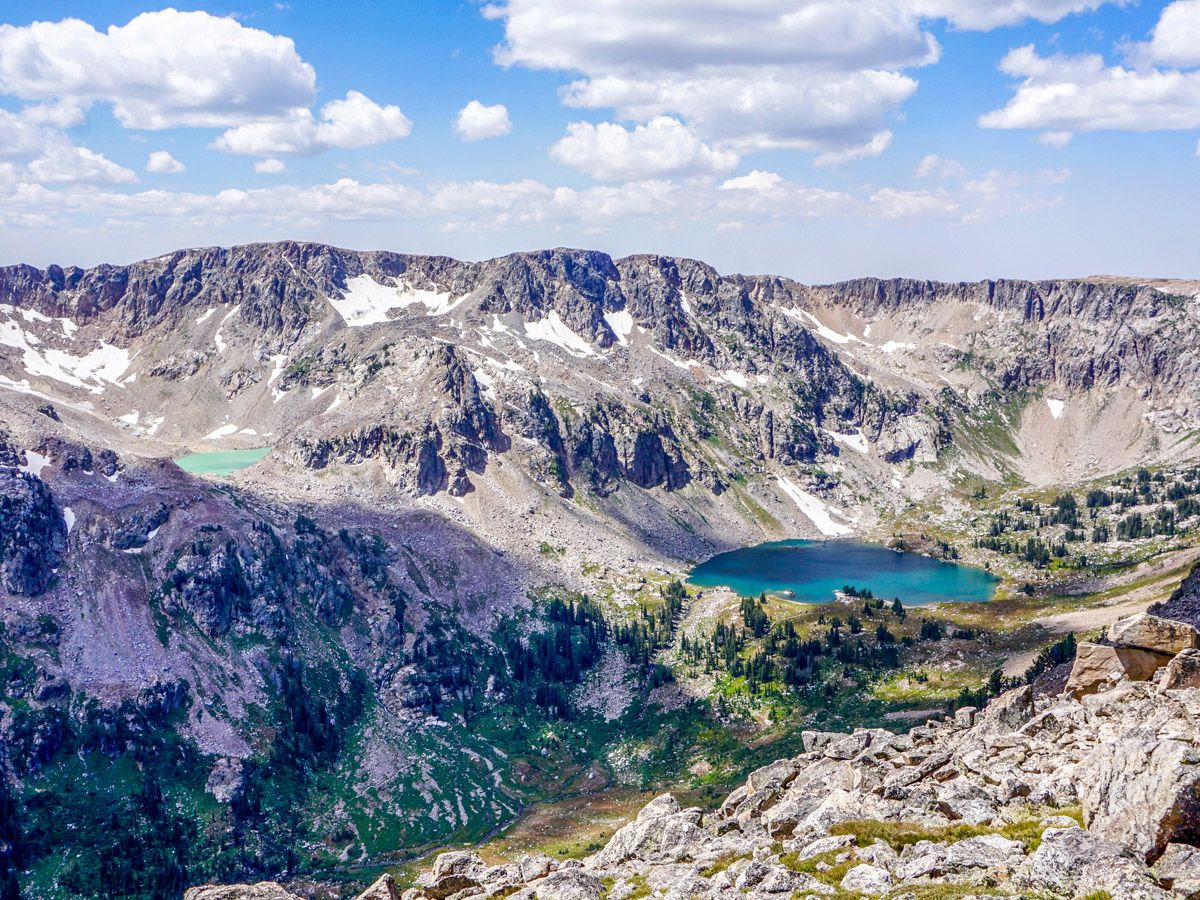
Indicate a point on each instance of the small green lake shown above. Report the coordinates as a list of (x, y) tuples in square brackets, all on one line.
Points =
[(221, 462), (813, 570)]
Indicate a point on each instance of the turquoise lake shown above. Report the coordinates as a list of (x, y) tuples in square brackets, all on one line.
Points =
[(221, 462), (813, 570)]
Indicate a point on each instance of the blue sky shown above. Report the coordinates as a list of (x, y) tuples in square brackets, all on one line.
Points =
[(822, 139)]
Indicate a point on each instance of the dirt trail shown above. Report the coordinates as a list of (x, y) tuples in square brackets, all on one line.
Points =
[(1157, 586)]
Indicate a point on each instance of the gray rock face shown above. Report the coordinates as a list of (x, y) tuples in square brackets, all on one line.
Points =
[(33, 535)]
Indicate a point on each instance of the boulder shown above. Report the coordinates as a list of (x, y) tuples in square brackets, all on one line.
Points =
[(568, 884), (987, 851), (1008, 712), (1150, 632), (866, 879), (263, 890), (1097, 665), (1142, 789), (383, 889), (662, 831), (1074, 863), (1179, 869), (1182, 672), (453, 872)]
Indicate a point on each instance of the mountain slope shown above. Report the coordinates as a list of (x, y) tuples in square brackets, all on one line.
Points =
[(460, 452)]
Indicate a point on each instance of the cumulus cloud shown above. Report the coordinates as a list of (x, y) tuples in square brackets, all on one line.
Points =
[(804, 74), (356, 121), (171, 69), (162, 69), (1175, 40), (477, 122), (269, 166), (1157, 88), (162, 162), (65, 163), (1082, 93), (663, 146)]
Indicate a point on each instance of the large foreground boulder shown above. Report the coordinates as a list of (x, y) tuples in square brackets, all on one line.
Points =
[(1149, 632), (1098, 665), (1141, 788), (263, 890)]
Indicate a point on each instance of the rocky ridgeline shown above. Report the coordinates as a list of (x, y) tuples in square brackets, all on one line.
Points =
[(988, 800)]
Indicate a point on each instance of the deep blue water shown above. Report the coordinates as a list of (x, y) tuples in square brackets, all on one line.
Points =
[(815, 569)]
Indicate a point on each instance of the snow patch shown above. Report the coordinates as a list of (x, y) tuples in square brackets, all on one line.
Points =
[(92, 371), (367, 302), (686, 303), (130, 418), (855, 442), (734, 377), (811, 321), (34, 463), (819, 513), (1056, 407), (217, 338), (554, 330), (280, 361), (205, 316), (621, 324), (223, 432), (893, 346), (69, 518), (686, 364)]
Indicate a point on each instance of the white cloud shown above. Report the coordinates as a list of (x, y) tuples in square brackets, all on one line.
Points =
[(1082, 93), (663, 146), (477, 122), (1158, 89), (269, 166), (890, 203), (1175, 40), (1056, 139), (759, 199), (64, 163), (932, 164), (874, 147), (162, 69), (163, 162), (356, 121), (984, 15), (805, 74)]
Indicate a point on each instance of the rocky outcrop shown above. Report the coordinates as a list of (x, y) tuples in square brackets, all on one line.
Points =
[(989, 801), (1098, 665), (1149, 632), (263, 890), (33, 534)]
